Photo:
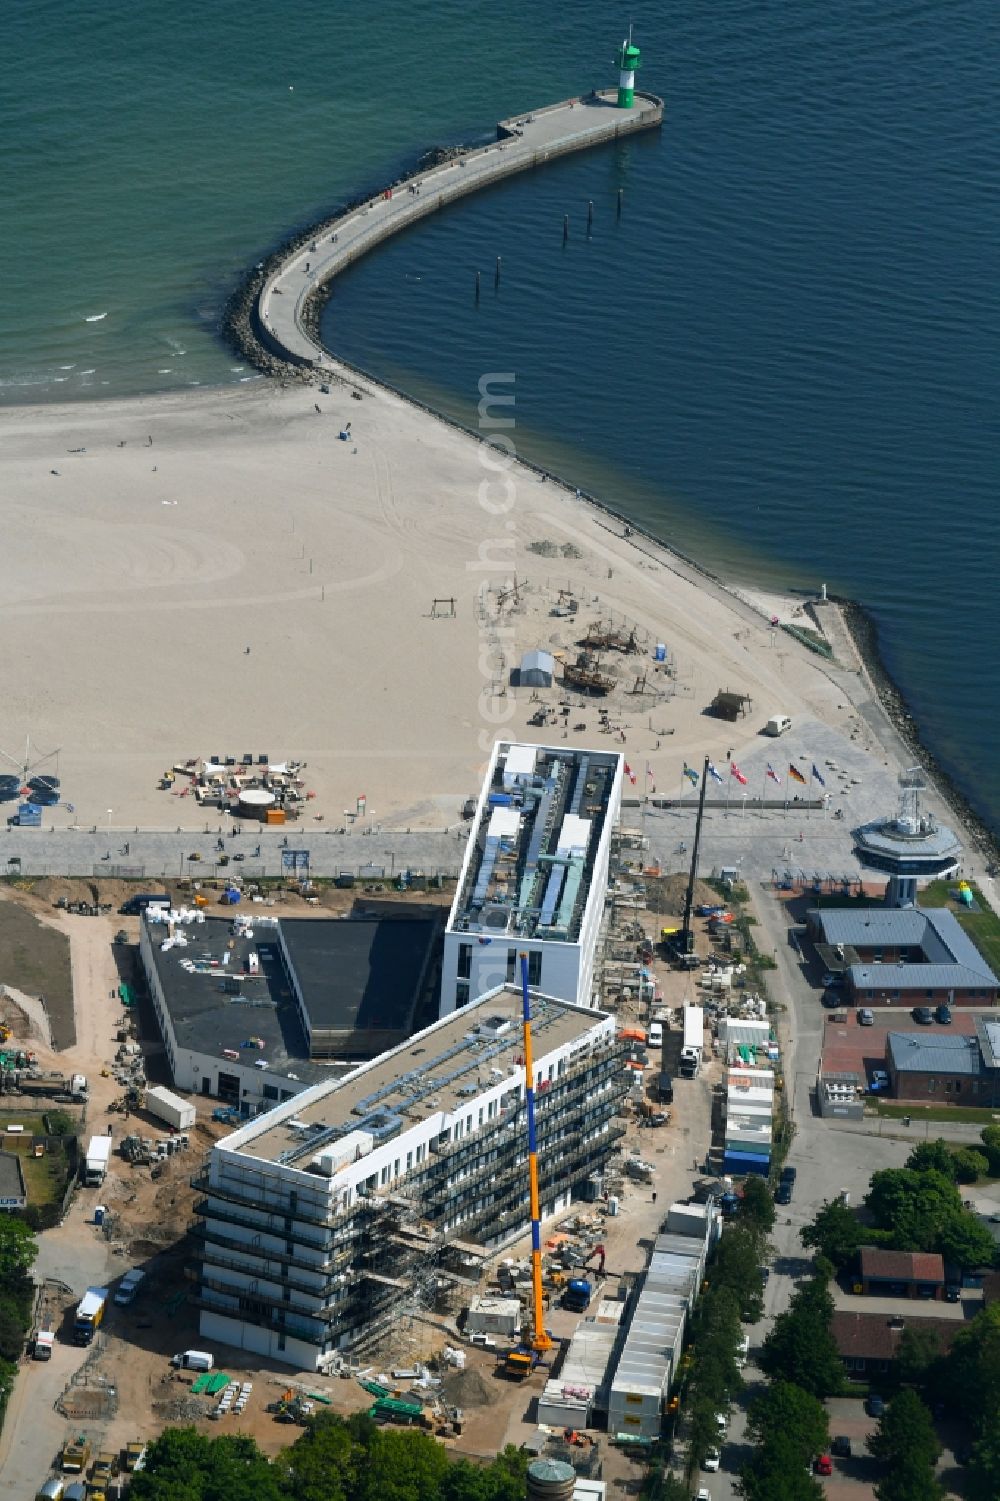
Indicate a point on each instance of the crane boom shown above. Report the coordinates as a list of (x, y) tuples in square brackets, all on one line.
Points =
[(540, 1341)]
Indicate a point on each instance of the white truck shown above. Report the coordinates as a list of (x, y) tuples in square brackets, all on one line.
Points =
[(693, 1045), (98, 1157), (170, 1108), (43, 1343), (193, 1360)]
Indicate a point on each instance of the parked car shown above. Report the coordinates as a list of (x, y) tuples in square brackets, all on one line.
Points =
[(922, 1014), (833, 981), (841, 1446), (765, 1272), (952, 1293), (788, 1175), (866, 1017), (712, 1460), (823, 1465), (874, 1405), (721, 1423), (783, 1193), (831, 999), (878, 1079), (703, 1494), (943, 1015)]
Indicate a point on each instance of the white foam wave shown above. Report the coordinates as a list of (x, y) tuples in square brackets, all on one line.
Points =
[(95, 318)]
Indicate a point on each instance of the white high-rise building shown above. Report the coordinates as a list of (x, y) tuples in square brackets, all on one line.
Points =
[(535, 875)]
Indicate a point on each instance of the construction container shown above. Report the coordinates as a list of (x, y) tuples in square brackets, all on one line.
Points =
[(493, 1316), (274, 816)]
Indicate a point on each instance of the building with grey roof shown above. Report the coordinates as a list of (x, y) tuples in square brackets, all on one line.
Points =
[(903, 956), (254, 1008), (941, 1068)]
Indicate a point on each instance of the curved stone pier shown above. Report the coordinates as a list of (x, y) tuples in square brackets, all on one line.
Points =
[(280, 315)]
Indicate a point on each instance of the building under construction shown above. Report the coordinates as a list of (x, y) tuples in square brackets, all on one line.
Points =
[(322, 1220)]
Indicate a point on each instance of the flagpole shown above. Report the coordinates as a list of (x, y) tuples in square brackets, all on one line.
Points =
[(729, 783), (763, 792), (788, 780)]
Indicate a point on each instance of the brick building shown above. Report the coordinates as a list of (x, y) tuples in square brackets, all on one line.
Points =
[(903, 956), (901, 1274)]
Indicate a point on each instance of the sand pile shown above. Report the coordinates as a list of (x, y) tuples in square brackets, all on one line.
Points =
[(468, 1388), (667, 893)]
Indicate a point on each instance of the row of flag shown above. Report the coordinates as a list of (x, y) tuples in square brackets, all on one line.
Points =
[(794, 774), (694, 776)]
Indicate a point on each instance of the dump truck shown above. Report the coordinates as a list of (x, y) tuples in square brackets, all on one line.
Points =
[(52, 1085), (95, 1166), (76, 1454), (170, 1108), (89, 1314)]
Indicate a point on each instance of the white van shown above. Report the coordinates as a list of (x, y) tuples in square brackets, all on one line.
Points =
[(778, 724), (654, 1037), (129, 1287)]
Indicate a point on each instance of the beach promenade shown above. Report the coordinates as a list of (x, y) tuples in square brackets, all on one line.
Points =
[(523, 142)]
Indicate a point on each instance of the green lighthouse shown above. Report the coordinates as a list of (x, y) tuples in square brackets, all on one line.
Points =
[(628, 60)]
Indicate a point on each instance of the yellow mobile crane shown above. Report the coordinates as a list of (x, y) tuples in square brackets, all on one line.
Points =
[(520, 1361)]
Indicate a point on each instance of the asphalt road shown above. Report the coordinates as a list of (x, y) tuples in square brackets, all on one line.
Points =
[(828, 1159)]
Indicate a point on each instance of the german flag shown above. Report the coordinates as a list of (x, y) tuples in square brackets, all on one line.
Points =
[(795, 774)]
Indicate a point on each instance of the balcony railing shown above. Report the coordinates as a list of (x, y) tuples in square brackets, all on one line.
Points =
[(306, 1332)]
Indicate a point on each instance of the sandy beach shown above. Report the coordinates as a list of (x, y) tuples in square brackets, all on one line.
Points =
[(249, 582)]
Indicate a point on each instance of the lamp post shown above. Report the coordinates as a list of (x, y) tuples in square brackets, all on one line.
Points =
[(110, 811)]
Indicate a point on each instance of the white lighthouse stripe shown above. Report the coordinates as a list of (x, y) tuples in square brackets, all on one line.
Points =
[(626, 79)]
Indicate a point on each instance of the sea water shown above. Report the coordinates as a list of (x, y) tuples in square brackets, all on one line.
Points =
[(782, 358)]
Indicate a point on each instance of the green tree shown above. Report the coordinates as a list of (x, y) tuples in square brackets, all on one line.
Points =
[(322, 1464), (984, 1466), (990, 1138), (931, 1156), (12, 1328), (18, 1249), (972, 1369), (757, 1205), (918, 1354), (775, 1473), (402, 1465), (800, 1347), (785, 1409), (969, 1165), (905, 1432), (666, 1487), (835, 1233), (963, 1240), (912, 1205), (184, 1465), (912, 1480)]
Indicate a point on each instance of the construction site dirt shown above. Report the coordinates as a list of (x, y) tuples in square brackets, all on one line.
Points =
[(123, 1386)]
